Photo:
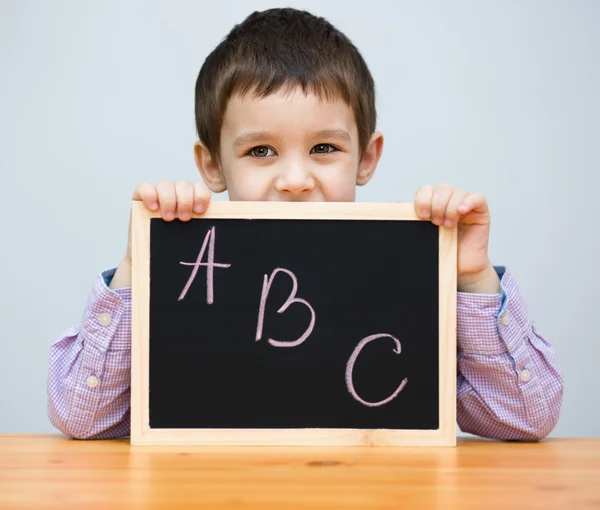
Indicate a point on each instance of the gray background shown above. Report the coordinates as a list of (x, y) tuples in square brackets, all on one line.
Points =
[(499, 96)]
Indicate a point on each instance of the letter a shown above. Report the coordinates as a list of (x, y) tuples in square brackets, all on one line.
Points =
[(210, 265)]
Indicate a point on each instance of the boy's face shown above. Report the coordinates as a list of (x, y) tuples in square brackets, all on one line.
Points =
[(289, 147)]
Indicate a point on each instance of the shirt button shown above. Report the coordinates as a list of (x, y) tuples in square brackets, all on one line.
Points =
[(525, 375), (505, 319), (92, 381), (104, 319)]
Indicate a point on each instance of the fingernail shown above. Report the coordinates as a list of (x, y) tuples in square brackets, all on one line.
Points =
[(447, 223), (169, 216), (154, 206), (424, 213), (199, 208)]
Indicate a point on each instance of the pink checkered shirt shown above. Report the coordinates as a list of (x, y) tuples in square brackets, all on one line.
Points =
[(509, 384)]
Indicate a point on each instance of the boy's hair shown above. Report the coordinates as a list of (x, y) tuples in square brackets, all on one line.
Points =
[(282, 49)]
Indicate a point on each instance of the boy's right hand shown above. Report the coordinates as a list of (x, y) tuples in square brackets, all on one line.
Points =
[(174, 200)]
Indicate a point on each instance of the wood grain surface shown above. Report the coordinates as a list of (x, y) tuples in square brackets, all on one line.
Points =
[(54, 472)]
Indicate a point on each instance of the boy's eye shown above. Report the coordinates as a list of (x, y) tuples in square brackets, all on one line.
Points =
[(261, 152), (323, 148)]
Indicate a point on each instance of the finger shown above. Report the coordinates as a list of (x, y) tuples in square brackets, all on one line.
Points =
[(474, 202), (146, 193), (201, 197), (452, 214), (167, 199), (423, 201), (439, 203), (185, 200)]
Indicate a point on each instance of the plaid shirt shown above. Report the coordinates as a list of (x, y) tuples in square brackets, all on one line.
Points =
[(509, 384)]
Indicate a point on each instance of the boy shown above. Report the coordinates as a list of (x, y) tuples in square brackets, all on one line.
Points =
[(285, 110)]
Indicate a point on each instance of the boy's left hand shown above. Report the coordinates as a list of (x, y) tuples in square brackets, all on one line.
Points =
[(448, 207)]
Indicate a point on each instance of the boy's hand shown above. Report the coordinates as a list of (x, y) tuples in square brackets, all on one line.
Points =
[(174, 200), (470, 213)]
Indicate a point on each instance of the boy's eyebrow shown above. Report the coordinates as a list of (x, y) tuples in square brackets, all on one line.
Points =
[(265, 136), (333, 133), (254, 137)]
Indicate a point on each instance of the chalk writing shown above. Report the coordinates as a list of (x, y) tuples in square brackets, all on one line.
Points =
[(289, 301), (210, 265), (350, 367), (209, 241)]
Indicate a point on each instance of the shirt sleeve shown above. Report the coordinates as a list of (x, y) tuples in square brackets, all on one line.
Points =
[(90, 366), (509, 384)]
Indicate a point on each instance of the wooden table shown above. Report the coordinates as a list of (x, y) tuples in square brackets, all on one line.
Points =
[(54, 472)]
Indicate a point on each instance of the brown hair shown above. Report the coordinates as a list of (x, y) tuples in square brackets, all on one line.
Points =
[(283, 49)]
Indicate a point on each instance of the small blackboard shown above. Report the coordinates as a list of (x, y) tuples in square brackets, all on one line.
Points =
[(271, 323)]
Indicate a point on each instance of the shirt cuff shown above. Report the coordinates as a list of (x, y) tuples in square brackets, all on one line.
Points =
[(107, 276), (492, 323), (108, 311)]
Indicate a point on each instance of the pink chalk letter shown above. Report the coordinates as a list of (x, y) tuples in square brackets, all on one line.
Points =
[(350, 366), (210, 265), (289, 301)]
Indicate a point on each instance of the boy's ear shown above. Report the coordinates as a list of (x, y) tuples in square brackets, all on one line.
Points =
[(209, 168), (370, 158)]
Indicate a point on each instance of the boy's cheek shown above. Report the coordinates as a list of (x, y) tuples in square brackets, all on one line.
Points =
[(244, 186), (339, 186)]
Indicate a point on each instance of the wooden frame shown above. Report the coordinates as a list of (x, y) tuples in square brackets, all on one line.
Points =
[(142, 434)]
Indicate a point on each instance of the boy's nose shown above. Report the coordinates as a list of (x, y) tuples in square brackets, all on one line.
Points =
[(295, 181)]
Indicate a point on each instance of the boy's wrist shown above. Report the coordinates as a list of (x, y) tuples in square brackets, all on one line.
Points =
[(122, 276), (483, 282)]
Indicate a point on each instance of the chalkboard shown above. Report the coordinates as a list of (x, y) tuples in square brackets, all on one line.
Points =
[(293, 324)]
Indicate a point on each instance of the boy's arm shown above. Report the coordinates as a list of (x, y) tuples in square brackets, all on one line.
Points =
[(90, 367), (509, 385)]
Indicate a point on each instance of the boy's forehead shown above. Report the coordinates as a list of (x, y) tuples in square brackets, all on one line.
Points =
[(284, 111)]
